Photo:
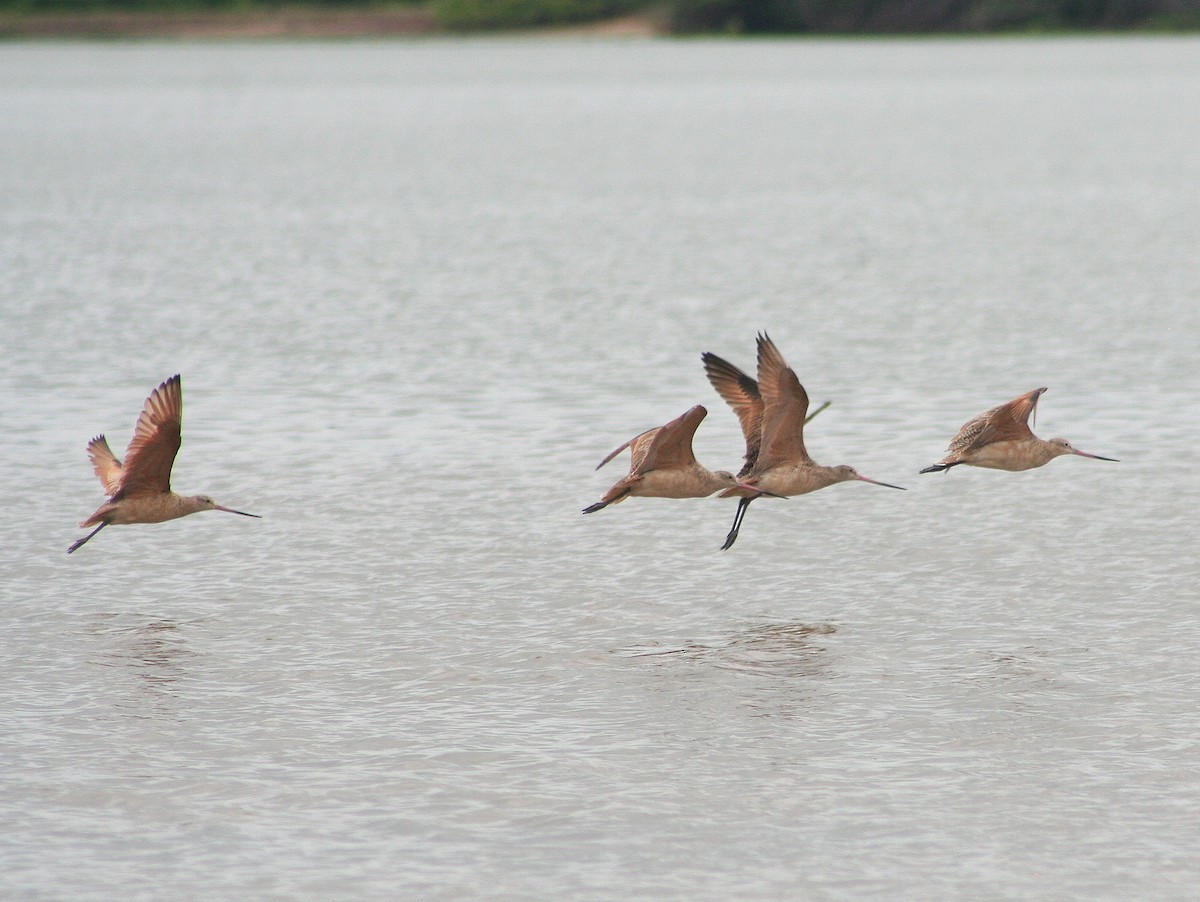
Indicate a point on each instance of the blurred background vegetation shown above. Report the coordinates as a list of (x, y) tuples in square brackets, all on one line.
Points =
[(717, 16), (900, 16)]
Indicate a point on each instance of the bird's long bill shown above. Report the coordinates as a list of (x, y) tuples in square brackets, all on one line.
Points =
[(756, 490), (886, 485), (1095, 456), (230, 510)]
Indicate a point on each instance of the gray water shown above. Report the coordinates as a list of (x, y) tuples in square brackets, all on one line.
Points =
[(418, 290)]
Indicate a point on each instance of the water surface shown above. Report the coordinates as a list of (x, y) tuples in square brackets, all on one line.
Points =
[(418, 290)]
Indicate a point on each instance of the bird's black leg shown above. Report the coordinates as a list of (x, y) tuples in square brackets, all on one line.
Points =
[(936, 468), (743, 503), (80, 542), (600, 505)]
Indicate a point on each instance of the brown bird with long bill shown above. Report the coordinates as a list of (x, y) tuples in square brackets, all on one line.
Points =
[(772, 412), (1000, 439), (139, 489)]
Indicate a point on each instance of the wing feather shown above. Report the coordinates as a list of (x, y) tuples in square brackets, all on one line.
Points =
[(785, 405), (105, 463), (672, 444), (638, 446), (1006, 423), (741, 393), (155, 442)]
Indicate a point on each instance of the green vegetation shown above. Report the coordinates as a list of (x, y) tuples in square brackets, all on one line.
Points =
[(903, 16), (714, 16), (481, 14), (74, 6)]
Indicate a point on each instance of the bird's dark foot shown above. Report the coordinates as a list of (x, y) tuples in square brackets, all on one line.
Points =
[(937, 468), (743, 503), (80, 542), (592, 508)]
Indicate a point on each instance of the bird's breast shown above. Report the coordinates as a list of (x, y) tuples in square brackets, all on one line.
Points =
[(792, 480), (149, 509), (1012, 456), (677, 483)]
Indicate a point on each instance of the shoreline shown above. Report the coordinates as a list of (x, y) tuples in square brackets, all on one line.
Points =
[(284, 22), (418, 21)]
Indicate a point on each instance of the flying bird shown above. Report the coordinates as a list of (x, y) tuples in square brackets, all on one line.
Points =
[(740, 392), (139, 489), (772, 412), (1001, 439), (663, 465)]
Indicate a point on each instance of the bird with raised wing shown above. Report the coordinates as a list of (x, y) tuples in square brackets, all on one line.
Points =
[(663, 465), (740, 391), (139, 489), (1001, 439), (777, 463)]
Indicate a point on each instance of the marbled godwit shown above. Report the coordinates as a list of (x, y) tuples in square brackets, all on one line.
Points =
[(663, 465), (777, 462), (1002, 440), (741, 393), (140, 489)]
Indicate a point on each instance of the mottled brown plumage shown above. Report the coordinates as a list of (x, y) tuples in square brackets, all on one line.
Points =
[(139, 489), (779, 464), (1000, 439), (663, 465), (740, 392)]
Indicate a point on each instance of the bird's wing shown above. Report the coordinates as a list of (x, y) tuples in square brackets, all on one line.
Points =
[(105, 463), (1006, 423), (785, 405), (155, 442), (672, 443), (638, 446), (741, 393)]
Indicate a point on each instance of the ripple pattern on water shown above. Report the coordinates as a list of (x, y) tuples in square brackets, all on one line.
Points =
[(418, 290)]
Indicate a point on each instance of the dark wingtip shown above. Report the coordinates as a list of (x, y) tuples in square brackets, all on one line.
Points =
[(716, 367)]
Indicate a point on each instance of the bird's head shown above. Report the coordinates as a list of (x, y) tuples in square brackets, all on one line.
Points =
[(205, 503), (845, 473), (1061, 446)]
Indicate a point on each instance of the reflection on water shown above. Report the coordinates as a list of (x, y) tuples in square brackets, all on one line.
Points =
[(789, 650), (155, 653)]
